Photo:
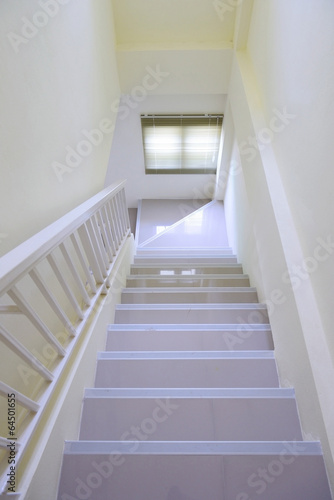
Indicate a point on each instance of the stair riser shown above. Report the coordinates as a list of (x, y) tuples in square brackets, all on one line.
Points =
[(195, 281), (201, 419), (188, 477), (184, 251), (187, 373), (188, 260), (187, 340), (186, 270), (193, 315), (178, 297)]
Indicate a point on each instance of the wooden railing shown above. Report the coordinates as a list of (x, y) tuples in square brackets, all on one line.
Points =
[(49, 288)]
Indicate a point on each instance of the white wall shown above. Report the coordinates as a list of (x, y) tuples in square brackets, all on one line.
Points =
[(166, 22), (189, 69), (281, 100), (295, 69), (127, 155), (58, 78)]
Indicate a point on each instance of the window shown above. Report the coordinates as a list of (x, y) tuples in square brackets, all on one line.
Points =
[(183, 144)]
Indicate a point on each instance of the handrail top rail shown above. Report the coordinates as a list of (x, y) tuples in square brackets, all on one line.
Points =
[(21, 259)]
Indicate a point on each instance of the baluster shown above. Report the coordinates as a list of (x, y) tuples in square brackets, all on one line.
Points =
[(127, 218), (21, 399), (120, 214), (75, 243), (52, 301), (115, 217), (20, 301), (97, 249), (102, 225), (73, 301), (9, 310), (108, 229), (109, 211), (92, 256), (75, 273), (4, 443), (24, 353), (100, 241)]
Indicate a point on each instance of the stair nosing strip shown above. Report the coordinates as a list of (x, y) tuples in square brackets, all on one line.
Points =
[(192, 393), (184, 355), (184, 265), (297, 448), (188, 276), (198, 289), (214, 327), (187, 306)]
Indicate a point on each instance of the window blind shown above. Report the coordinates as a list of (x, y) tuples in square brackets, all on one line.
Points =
[(181, 144)]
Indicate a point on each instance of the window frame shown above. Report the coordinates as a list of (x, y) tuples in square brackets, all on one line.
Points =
[(183, 150)]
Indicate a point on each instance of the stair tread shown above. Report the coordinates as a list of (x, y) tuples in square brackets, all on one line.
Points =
[(297, 448), (218, 362), (198, 306), (190, 265), (150, 327), (186, 355), (186, 276), (198, 289), (223, 393)]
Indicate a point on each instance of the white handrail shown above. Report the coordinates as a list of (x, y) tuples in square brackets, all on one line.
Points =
[(77, 255), (16, 262)]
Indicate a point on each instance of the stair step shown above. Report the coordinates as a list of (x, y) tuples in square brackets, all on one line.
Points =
[(182, 259), (188, 295), (190, 313), (151, 337), (199, 280), (192, 370), (191, 252), (186, 269), (231, 415), (288, 470)]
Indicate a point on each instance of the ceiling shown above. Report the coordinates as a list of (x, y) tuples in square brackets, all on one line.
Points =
[(171, 22)]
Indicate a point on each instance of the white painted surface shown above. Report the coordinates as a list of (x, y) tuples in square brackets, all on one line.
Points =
[(154, 21), (127, 155), (303, 82), (57, 80), (282, 93), (184, 70)]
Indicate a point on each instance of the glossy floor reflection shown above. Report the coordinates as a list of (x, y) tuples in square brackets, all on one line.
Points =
[(203, 228)]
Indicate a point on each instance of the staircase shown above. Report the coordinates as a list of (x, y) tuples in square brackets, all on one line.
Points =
[(187, 403)]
